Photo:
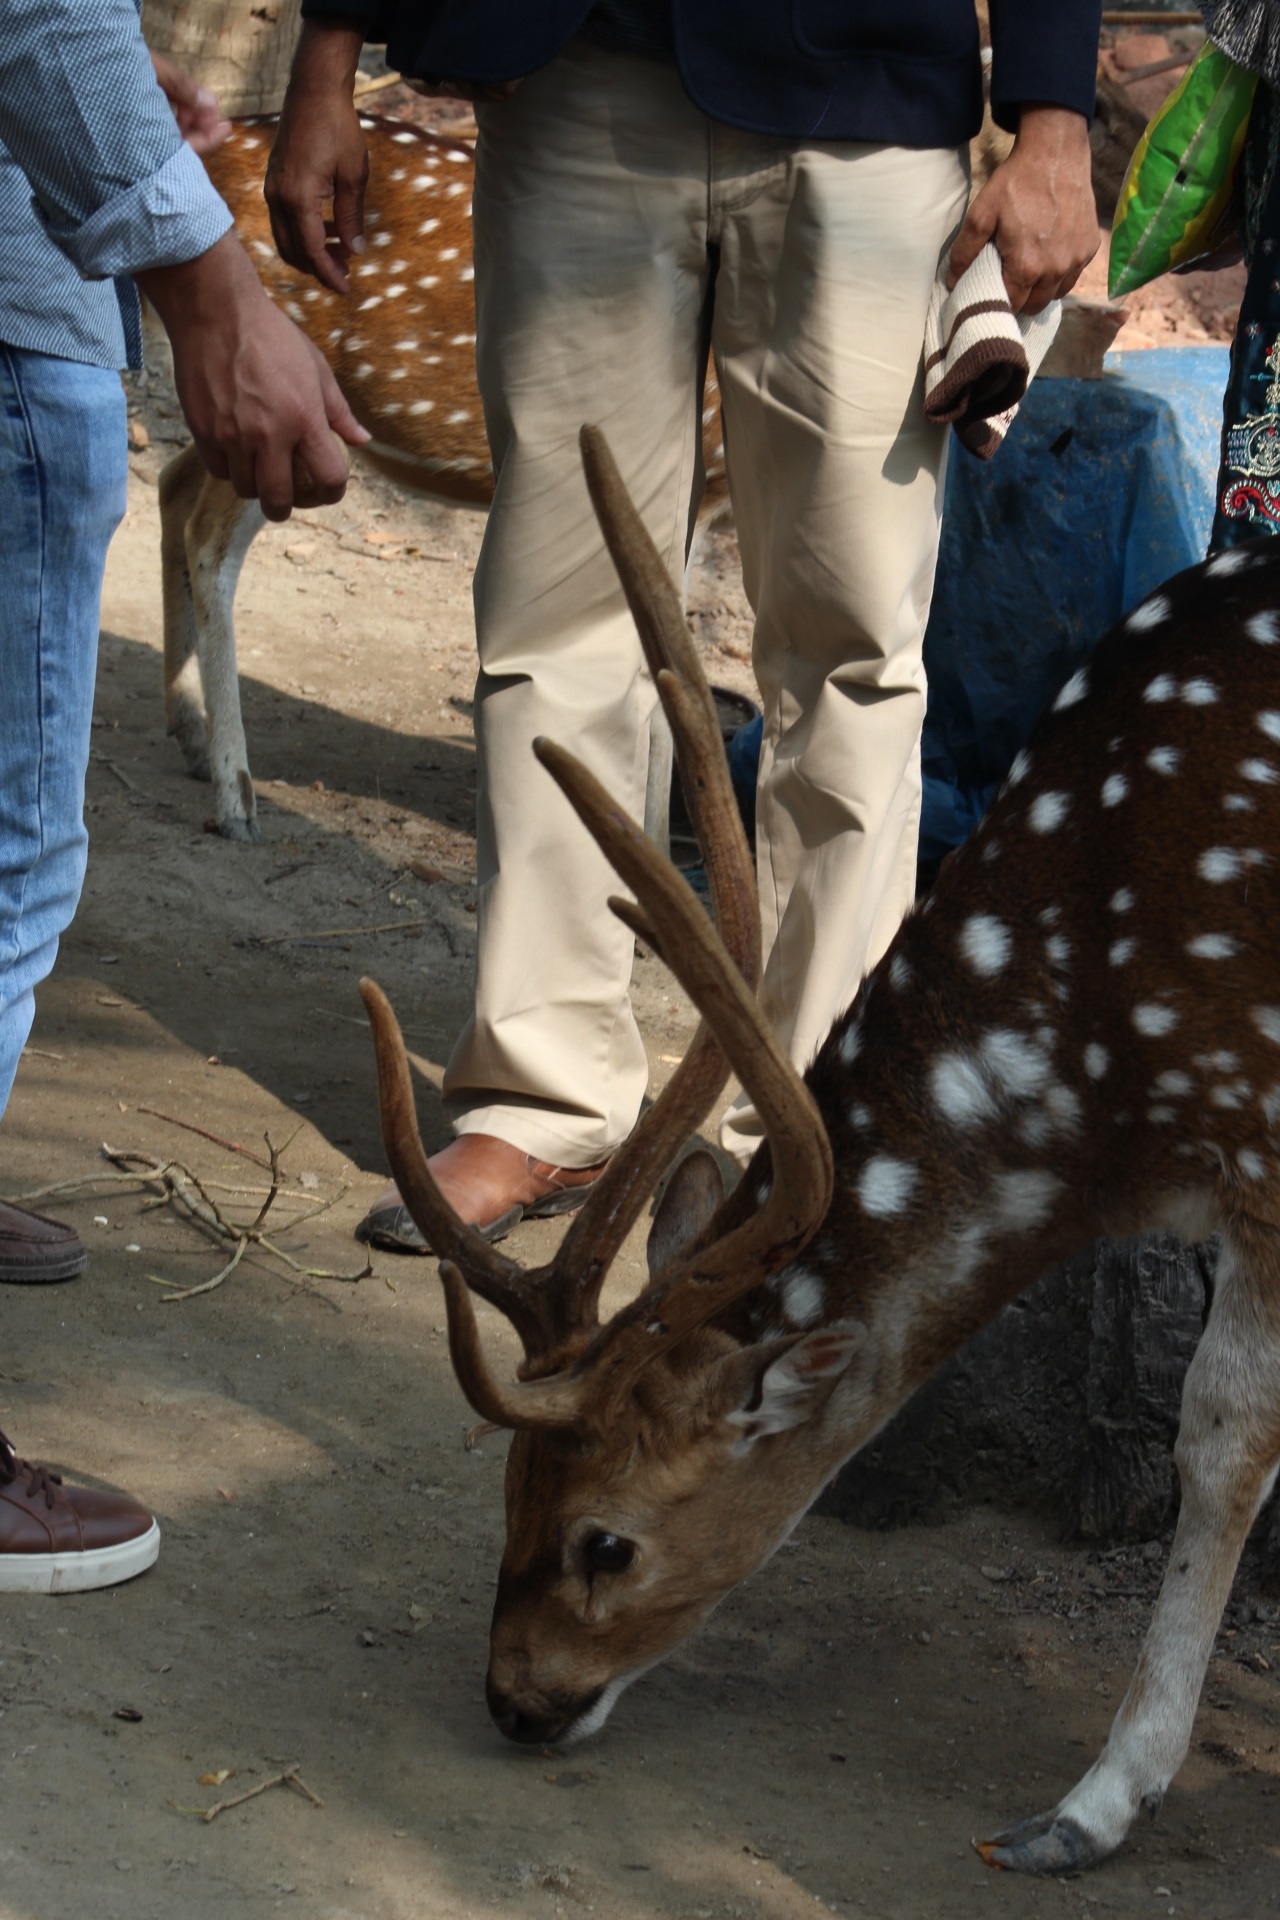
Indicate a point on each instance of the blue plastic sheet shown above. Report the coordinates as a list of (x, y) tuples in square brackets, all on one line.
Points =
[(1102, 489)]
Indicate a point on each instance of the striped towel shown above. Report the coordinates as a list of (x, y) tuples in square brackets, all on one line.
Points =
[(979, 355)]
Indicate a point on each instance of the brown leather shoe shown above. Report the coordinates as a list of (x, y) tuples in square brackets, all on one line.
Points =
[(57, 1539), (488, 1183), (33, 1248)]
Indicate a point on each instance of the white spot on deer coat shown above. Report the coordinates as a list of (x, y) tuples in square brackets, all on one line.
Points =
[(1198, 692), (1264, 628), (1251, 1164), (861, 1117), (1163, 687), (422, 406), (1175, 1083), (1153, 1019), (1213, 946), (802, 1298), (1048, 811), (1074, 690), (1096, 1060), (851, 1042), (1021, 766), (1271, 1105), (1237, 803), (885, 1184), (1231, 1098), (1160, 1116), (1164, 760), (1025, 1199), (900, 974), (1270, 725), (1018, 1064), (1114, 789), (1122, 900), (1218, 864), (1231, 561), (1220, 1061), (1260, 771), (1267, 1021), (1121, 951), (1057, 950), (959, 1090), (1149, 614), (986, 944)]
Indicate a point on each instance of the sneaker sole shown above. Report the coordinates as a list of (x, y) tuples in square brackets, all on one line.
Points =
[(79, 1572), (66, 1269)]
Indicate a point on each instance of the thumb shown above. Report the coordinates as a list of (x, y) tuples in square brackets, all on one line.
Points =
[(348, 211), (339, 414), (979, 225)]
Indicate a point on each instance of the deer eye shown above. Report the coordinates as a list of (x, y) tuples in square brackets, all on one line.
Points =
[(607, 1552)]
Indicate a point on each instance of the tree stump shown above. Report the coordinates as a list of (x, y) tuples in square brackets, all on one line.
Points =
[(243, 53)]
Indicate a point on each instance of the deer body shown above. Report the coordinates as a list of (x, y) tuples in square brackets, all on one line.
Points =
[(1077, 1033), (402, 347)]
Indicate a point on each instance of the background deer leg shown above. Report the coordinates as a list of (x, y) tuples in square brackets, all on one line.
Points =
[(1228, 1446), (220, 531), (657, 793), (180, 485)]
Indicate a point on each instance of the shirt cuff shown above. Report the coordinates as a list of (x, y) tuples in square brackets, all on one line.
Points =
[(173, 215), (1047, 56), (375, 16)]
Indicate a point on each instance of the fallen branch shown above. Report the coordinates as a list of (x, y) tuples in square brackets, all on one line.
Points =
[(189, 1126), (174, 1184), (289, 1778), (336, 933)]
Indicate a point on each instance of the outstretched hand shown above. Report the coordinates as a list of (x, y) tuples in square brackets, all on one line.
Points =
[(1039, 209)]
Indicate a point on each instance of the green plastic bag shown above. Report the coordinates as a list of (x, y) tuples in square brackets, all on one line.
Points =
[(1179, 187)]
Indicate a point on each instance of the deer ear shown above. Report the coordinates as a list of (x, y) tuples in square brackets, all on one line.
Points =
[(692, 1195), (791, 1380)]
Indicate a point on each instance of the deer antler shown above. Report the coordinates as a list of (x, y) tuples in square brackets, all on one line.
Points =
[(502, 1282), (576, 1274), (582, 1381)]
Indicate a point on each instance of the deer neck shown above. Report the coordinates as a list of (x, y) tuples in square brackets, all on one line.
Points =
[(958, 1141)]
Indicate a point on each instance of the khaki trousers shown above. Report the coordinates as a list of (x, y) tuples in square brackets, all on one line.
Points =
[(619, 232)]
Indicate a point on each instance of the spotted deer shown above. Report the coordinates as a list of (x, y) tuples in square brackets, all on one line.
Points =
[(1076, 1033), (402, 348)]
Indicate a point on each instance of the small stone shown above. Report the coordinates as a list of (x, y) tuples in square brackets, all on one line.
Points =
[(368, 1639), (100, 1220), (139, 438), (133, 1247)]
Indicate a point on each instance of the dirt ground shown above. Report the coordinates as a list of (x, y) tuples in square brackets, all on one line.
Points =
[(831, 1741)]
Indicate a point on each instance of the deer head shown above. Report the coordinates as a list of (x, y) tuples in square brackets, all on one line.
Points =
[(636, 1438)]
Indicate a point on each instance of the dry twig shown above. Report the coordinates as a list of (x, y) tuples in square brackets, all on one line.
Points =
[(189, 1126), (289, 1778)]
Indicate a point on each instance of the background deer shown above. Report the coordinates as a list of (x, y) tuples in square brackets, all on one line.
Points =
[(402, 346), (1078, 1032)]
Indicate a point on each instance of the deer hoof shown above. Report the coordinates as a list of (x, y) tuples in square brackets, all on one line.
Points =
[(236, 827), (1047, 1843)]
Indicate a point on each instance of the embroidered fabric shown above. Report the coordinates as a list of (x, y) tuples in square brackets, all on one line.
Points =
[(1249, 30)]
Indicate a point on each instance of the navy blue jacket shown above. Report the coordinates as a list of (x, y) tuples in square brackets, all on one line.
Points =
[(905, 72)]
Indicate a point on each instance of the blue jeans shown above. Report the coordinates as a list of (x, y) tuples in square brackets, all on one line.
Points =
[(63, 475)]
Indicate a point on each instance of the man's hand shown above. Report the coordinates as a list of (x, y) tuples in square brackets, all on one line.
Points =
[(1039, 209), (194, 108), (257, 396), (320, 156)]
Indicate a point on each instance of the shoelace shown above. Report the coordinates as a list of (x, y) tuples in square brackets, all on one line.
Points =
[(39, 1479)]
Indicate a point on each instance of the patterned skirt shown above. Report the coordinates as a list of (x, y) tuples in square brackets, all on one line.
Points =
[(1248, 496)]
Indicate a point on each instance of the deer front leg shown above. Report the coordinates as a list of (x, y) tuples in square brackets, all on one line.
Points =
[(219, 533), (180, 485), (1228, 1445)]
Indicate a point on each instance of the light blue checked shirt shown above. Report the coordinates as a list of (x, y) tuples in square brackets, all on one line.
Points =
[(95, 180)]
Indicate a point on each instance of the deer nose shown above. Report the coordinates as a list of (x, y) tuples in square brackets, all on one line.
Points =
[(539, 1726)]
